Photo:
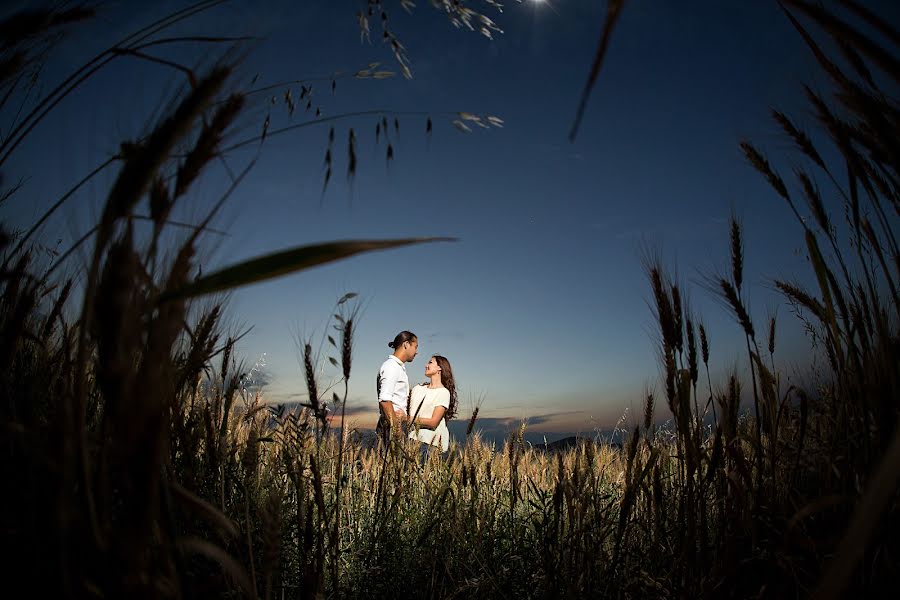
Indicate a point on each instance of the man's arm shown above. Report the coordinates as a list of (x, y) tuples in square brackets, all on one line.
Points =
[(388, 379), (396, 422), (387, 410)]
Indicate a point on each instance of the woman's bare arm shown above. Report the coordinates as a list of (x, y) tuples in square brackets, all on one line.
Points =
[(434, 420)]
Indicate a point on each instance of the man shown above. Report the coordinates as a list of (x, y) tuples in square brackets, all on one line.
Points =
[(393, 383)]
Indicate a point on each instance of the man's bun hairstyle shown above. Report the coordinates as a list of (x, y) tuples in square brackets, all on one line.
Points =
[(401, 338)]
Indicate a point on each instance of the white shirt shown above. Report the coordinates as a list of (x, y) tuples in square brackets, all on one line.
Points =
[(425, 400), (393, 383)]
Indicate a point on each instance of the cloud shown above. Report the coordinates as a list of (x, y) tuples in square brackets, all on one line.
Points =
[(359, 410), (441, 336)]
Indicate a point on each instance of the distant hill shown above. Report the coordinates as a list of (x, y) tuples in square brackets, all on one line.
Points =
[(366, 438), (573, 441), (497, 435)]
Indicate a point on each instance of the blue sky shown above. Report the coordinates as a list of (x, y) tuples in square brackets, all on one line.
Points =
[(542, 304)]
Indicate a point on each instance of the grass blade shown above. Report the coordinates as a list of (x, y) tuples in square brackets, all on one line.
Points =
[(613, 9), (285, 262)]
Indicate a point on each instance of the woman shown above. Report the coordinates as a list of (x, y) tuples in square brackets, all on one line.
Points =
[(392, 385), (433, 404)]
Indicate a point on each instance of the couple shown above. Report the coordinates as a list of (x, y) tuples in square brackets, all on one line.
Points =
[(424, 411)]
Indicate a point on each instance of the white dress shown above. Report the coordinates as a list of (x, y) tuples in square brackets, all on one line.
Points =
[(425, 400)]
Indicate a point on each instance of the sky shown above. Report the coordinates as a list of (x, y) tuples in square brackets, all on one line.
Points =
[(541, 305)]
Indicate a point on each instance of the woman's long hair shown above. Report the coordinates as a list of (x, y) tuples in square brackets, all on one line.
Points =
[(448, 382)]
